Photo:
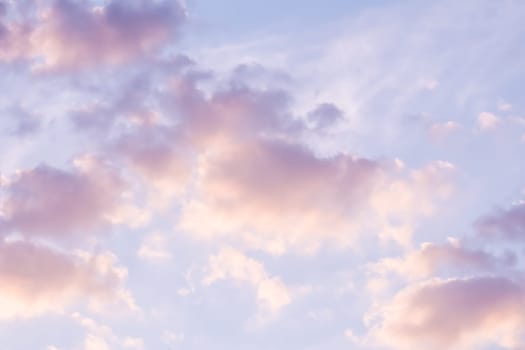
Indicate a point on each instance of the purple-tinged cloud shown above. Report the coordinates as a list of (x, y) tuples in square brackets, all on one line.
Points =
[(453, 314), (504, 223), (35, 279), (46, 201), (70, 34), (325, 115)]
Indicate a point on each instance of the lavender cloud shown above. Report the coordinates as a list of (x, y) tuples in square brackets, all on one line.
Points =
[(69, 35), (504, 223), (50, 202)]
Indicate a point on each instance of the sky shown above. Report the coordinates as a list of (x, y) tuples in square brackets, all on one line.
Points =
[(262, 175)]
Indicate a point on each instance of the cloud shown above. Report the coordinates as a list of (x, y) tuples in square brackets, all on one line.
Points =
[(153, 248), (275, 192), (431, 259), (70, 35), (46, 201), (35, 279), (453, 314), (158, 157), (487, 121), (504, 223), (325, 115), (258, 182), (504, 106), (25, 122), (14, 37), (271, 294), (444, 129), (102, 337)]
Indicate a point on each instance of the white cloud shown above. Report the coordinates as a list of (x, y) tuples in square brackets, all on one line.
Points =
[(487, 120), (504, 106), (102, 337), (154, 248), (271, 293)]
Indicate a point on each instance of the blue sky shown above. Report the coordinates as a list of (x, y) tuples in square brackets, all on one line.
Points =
[(262, 175)]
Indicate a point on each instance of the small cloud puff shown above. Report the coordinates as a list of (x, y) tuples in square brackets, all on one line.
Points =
[(488, 121)]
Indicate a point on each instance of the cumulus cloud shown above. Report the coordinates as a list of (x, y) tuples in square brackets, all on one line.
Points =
[(35, 279), (69, 34), (275, 192), (452, 314), (431, 259), (46, 201), (257, 180), (271, 294)]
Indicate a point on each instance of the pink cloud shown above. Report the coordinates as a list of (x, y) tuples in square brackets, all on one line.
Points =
[(250, 177), (50, 202), (158, 156), (432, 259), (274, 195), (69, 35), (35, 279), (453, 314), (231, 112)]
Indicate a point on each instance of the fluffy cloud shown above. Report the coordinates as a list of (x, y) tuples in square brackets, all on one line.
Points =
[(433, 258), (47, 201), (276, 193), (453, 314), (68, 34), (35, 279), (272, 295), (257, 181)]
